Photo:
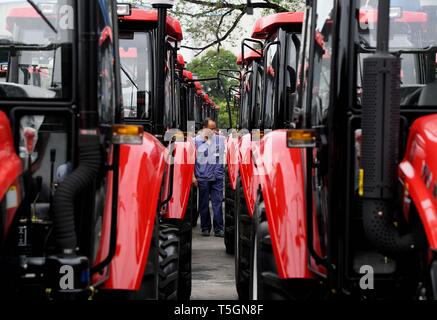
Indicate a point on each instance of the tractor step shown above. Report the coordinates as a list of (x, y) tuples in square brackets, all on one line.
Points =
[(380, 263)]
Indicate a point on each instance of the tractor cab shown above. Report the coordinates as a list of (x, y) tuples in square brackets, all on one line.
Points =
[(411, 39), (198, 105), (281, 36), (37, 64), (250, 61), (158, 95), (138, 35), (187, 92), (206, 106), (365, 122), (3, 67)]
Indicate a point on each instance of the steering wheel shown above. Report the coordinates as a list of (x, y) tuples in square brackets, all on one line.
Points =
[(412, 98)]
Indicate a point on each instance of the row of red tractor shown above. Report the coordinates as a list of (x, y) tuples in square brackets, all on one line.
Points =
[(331, 189), (95, 187)]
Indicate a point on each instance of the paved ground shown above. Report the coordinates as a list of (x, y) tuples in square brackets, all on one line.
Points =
[(213, 269)]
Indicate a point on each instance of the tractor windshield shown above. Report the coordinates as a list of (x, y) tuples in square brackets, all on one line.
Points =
[(246, 100), (271, 85), (413, 36), (36, 49), (136, 73), (413, 24)]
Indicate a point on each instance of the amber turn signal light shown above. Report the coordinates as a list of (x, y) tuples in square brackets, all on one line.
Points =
[(127, 134), (301, 138)]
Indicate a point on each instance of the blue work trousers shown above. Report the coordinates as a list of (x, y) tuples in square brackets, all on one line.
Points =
[(211, 190)]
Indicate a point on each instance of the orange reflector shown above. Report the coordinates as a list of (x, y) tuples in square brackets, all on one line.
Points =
[(257, 135), (304, 138), (127, 134), (361, 183)]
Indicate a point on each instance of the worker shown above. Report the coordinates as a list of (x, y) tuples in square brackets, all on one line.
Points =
[(209, 175)]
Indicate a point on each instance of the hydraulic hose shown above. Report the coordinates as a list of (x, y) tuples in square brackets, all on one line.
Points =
[(66, 194)]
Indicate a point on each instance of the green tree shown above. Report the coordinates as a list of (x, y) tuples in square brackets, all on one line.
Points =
[(211, 22), (208, 66)]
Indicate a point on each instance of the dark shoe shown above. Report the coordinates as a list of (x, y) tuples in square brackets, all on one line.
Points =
[(220, 234), (206, 233)]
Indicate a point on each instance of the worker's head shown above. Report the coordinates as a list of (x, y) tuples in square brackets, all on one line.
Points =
[(210, 124)]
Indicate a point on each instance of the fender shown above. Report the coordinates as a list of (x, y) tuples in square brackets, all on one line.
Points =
[(184, 157), (249, 152), (283, 189), (140, 177), (10, 171), (232, 157), (419, 173), (11, 167)]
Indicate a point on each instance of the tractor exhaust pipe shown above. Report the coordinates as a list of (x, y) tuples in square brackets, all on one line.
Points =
[(381, 136)]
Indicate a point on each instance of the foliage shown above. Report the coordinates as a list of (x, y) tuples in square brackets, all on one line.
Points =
[(209, 65), (211, 22)]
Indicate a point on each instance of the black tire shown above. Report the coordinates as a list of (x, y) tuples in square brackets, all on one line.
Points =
[(269, 286), (185, 261), (192, 207), (169, 245), (242, 244), (230, 200), (433, 274)]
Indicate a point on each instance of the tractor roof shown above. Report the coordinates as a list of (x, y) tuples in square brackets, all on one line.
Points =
[(23, 13), (249, 57), (266, 26), (174, 28), (181, 61), (129, 53), (207, 99), (187, 75), (371, 16)]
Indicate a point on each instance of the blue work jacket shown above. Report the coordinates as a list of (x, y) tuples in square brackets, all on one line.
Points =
[(210, 158)]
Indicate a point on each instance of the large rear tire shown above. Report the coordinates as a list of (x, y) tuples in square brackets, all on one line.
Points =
[(243, 244), (169, 246), (230, 200), (186, 234), (192, 207)]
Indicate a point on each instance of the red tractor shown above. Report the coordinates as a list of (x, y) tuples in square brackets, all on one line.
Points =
[(198, 105), (3, 70), (61, 136), (145, 77), (267, 88), (80, 194), (347, 205)]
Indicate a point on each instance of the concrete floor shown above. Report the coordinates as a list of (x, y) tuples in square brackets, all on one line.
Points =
[(212, 269)]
